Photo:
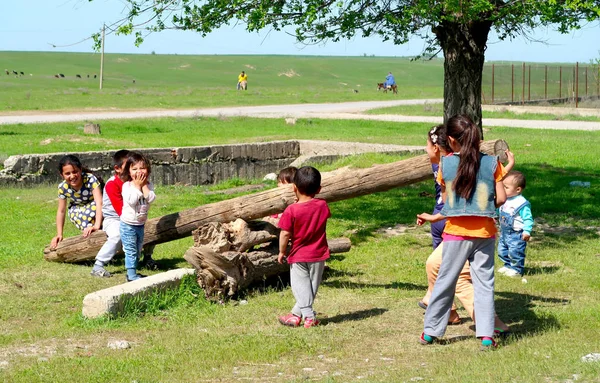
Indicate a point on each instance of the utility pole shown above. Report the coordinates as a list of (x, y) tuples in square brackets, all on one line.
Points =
[(102, 58)]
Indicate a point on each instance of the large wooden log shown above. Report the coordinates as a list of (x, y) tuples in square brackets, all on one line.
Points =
[(337, 185), (222, 269)]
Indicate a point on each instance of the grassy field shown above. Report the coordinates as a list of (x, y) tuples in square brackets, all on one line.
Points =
[(371, 321), (176, 81)]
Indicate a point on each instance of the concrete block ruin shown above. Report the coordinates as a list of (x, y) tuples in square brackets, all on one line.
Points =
[(196, 165), (112, 300)]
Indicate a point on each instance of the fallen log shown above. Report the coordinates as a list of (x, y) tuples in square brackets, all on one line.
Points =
[(337, 185), (222, 269)]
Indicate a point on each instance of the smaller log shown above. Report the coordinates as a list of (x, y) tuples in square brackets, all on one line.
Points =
[(222, 272), (91, 128)]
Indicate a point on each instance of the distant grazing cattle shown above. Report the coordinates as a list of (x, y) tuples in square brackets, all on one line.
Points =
[(22, 74), (134, 81), (56, 76), (7, 72), (94, 76), (88, 76), (15, 72), (78, 75), (61, 75)]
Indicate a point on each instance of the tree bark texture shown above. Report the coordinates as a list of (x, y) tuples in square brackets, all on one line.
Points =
[(222, 265), (464, 52), (337, 185)]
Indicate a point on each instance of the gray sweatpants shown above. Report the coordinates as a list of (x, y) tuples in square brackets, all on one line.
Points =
[(305, 278), (113, 241), (480, 254)]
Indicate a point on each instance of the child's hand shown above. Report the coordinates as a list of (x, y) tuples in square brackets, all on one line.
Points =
[(55, 241), (510, 156), (526, 237), (424, 217), (140, 180), (280, 258), (89, 230)]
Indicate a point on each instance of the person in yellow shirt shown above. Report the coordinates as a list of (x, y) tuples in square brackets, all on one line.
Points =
[(242, 81)]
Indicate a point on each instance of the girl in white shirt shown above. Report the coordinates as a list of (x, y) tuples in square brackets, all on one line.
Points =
[(138, 194)]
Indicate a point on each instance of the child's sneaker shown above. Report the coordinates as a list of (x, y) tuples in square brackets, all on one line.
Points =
[(426, 339), (498, 332), (311, 322), (100, 273), (512, 273), (149, 264), (488, 344), (137, 276), (290, 320)]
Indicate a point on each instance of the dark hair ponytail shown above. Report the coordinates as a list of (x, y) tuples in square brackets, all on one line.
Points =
[(467, 134), (74, 161)]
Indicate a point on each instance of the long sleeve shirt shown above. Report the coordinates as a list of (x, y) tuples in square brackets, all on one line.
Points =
[(523, 219), (135, 205)]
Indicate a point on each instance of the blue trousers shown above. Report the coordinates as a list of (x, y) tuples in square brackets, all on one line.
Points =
[(132, 238), (511, 249)]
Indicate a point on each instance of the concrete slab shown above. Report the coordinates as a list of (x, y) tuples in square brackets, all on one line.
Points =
[(112, 300)]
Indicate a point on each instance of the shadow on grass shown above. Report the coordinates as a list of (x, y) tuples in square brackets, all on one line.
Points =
[(517, 310), (354, 316), (393, 285), (536, 270)]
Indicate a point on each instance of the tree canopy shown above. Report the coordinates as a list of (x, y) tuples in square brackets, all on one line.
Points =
[(459, 28)]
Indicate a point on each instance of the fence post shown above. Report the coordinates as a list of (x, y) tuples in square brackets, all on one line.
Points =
[(512, 83), (586, 82), (545, 82), (577, 84), (523, 86), (493, 74), (560, 82), (529, 84)]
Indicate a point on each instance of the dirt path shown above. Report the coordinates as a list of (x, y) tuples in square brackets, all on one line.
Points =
[(342, 111)]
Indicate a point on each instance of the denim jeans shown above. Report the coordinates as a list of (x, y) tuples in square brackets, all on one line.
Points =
[(511, 249), (132, 238)]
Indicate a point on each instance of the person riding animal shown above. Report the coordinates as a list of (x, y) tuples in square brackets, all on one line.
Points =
[(388, 84)]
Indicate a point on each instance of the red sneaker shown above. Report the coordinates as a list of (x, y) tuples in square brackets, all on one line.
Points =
[(311, 322), (290, 320)]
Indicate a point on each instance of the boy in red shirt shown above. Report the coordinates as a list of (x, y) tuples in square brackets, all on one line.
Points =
[(304, 223)]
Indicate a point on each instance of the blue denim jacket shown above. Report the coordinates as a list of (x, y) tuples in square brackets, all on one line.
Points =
[(482, 201)]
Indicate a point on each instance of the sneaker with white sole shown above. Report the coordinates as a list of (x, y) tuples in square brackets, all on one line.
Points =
[(100, 273), (290, 320), (311, 322), (503, 269), (512, 273)]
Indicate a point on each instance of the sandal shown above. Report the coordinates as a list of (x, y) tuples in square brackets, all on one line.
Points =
[(456, 321)]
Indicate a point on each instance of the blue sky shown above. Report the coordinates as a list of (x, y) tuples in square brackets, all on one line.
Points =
[(34, 25)]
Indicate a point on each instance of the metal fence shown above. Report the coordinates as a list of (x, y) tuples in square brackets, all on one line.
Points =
[(534, 83)]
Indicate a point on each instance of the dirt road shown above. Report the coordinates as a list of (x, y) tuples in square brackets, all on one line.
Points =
[(342, 111)]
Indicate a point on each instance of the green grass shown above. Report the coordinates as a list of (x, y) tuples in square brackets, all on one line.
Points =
[(437, 110), (175, 81), (174, 132), (368, 298)]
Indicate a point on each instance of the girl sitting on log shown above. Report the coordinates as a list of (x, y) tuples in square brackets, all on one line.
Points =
[(83, 191)]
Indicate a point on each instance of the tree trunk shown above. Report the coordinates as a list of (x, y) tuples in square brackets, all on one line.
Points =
[(337, 185), (222, 269), (464, 52)]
